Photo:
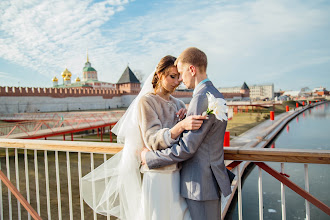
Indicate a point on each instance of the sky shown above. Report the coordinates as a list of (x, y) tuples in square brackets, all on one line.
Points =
[(286, 43)]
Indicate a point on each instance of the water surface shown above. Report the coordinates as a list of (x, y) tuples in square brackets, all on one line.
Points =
[(310, 130)]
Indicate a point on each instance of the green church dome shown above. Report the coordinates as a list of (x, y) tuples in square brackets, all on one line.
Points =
[(89, 69)]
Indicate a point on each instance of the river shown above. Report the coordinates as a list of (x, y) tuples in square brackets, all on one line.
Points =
[(309, 130)]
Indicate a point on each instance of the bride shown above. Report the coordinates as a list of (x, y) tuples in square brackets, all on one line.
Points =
[(153, 120)]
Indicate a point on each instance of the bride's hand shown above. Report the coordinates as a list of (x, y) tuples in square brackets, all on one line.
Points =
[(181, 113), (143, 155), (193, 122)]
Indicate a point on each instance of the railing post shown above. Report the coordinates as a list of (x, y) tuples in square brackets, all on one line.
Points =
[(17, 184), (110, 133), (307, 189), (47, 185), (68, 170), (1, 206), (27, 182), (58, 186), (36, 171), (283, 196), (261, 203), (93, 185), (82, 213), (106, 182), (9, 193), (240, 215)]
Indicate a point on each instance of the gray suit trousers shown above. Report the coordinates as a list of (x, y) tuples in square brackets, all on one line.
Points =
[(204, 210)]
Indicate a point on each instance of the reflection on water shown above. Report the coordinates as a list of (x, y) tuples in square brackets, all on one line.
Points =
[(309, 131)]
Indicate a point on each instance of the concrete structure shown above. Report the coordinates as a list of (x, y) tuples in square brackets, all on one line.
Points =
[(22, 99)]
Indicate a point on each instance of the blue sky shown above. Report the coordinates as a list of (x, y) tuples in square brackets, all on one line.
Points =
[(260, 42)]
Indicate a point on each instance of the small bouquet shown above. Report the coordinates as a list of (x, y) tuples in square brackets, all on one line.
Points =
[(217, 106)]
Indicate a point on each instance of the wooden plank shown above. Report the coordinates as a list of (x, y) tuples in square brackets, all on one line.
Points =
[(246, 154), (88, 147), (19, 196), (284, 159), (278, 155)]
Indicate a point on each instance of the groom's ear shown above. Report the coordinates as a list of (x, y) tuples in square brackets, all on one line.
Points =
[(192, 70)]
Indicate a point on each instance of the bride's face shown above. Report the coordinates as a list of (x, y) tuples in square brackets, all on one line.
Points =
[(171, 81)]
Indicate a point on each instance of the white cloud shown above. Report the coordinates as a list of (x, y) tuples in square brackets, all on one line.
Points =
[(47, 36), (7, 76), (246, 39), (254, 34)]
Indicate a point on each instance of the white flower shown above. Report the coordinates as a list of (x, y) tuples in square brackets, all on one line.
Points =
[(217, 106)]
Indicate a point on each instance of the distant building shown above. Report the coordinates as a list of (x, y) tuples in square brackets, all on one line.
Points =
[(279, 93), (254, 92), (128, 82), (293, 94), (320, 91), (260, 92), (236, 93)]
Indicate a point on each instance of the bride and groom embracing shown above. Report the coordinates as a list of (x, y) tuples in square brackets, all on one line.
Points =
[(181, 151)]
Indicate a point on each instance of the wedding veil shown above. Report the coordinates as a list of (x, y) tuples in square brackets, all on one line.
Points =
[(114, 188)]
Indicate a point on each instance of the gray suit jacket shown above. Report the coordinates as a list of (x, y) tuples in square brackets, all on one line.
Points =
[(203, 172)]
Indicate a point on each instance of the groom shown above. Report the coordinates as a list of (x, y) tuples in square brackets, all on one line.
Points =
[(203, 173)]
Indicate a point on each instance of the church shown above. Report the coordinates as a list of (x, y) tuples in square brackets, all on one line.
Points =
[(128, 82)]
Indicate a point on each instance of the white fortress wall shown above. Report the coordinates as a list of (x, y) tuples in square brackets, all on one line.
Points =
[(29, 104)]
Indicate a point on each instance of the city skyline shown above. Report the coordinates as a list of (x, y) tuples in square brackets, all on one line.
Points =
[(259, 42)]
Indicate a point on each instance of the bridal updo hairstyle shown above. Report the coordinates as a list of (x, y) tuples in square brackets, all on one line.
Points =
[(163, 70), (193, 56)]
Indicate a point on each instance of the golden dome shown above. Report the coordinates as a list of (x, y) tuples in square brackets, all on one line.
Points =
[(55, 79), (66, 72), (77, 79), (67, 78)]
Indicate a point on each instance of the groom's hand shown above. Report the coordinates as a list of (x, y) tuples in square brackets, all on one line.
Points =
[(143, 155)]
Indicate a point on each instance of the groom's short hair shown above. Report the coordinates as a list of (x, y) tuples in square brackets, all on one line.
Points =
[(193, 56)]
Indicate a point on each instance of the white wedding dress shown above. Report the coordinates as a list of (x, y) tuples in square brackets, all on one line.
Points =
[(114, 188), (161, 197)]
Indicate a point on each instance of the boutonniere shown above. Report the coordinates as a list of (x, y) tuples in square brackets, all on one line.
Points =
[(217, 106)]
